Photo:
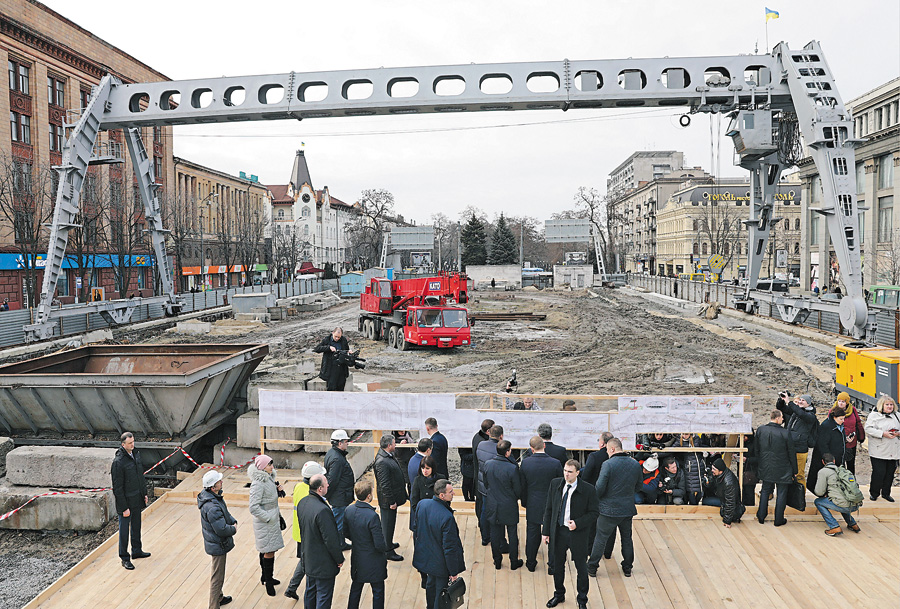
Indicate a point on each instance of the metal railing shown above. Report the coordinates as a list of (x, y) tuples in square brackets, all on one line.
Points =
[(12, 322), (887, 318)]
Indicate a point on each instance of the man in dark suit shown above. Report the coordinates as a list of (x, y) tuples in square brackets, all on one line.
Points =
[(391, 491), (590, 472), (368, 564), (537, 474), (321, 546), (571, 507), (504, 489), (481, 436), (545, 431), (484, 453), (439, 551), (130, 491), (619, 480), (776, 462), (439, 448)]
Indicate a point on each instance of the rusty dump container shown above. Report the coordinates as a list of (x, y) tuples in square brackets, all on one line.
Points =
[(164, 391)]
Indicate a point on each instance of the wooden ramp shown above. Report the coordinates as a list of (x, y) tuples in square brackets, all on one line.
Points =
[(687, 560)]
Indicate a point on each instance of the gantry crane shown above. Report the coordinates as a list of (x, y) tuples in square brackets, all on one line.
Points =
[(770, 98)]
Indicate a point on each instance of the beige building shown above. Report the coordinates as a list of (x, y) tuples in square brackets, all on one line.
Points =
[(218, 221), (52, 63), (703, 219), (876, 118)]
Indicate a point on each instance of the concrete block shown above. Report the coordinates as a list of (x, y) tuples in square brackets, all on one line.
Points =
[(76, 512), (277, 313), (244, 303), (6, 445), (60, 466), (359, 458), (193, 327), (248, 433)]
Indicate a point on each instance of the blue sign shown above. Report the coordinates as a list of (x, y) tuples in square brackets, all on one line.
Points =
[(13, 262)]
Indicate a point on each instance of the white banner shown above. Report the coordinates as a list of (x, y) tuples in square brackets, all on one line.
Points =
[(576, 430)]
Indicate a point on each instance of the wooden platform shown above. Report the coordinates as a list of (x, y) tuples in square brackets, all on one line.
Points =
[(682, 560)]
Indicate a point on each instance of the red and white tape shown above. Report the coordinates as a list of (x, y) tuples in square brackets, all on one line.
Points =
[(158, 463)]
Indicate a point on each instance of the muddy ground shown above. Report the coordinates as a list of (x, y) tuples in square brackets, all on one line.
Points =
[(619, 342)]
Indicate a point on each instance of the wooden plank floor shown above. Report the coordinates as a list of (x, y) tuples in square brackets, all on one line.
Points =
[(681, 562)]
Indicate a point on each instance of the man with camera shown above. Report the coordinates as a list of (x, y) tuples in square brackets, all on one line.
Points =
[(334, 370), (672, 483), (801, 422)]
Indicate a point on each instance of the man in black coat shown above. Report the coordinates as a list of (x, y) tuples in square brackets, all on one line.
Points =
[(368, 564), (504, 489), (545, 431), (801, 422), (570, 509), (321, 547), (830, 440), (439, 448), (620, 480), (729, 493), (538, 472), (776, 462), (391, 491), (334, 374), (439, 550), (130, 491), (484, 453), (340, 479), (591, 470), (481, 436)]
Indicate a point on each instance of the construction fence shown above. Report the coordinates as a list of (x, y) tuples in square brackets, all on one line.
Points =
[(887, 318), (12, 322)]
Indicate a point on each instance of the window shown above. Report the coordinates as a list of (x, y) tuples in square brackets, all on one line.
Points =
[(885, 218), (816, 188), (860, 178), (56, 91), (814, 229), (885, 171), (878, 122), (26, 129), (796, 224), (56, 138), (62, 284), (280, 214), (24, 224), (705, 248), (85, 98), (18, 77), (696, 224), (157, 168), (796, 247)]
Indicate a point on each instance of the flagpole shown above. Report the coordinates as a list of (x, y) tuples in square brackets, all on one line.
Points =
[(767, 35)]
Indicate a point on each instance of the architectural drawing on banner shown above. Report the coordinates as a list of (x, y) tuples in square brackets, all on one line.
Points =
[(642, 403), (682, 404)]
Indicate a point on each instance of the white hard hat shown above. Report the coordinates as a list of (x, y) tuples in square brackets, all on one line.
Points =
[(310, 469), (338, 435), (651, 463), (210, 478)]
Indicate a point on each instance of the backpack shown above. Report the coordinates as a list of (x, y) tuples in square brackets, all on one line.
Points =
[(848, 486)]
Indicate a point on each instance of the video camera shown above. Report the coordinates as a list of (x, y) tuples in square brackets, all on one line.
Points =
[(349, 358), (512, 383)]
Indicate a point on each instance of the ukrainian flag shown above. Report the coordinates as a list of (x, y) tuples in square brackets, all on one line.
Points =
[(770, 14)]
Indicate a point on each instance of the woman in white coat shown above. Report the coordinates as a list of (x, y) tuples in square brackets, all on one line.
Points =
[(267, 522), (883, 431)]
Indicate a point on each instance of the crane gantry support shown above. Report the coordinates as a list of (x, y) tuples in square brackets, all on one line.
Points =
[(772, 88)]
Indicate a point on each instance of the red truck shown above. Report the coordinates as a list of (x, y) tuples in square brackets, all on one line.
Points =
[(415, 311)]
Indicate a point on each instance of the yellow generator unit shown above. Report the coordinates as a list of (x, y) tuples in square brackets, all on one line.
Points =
[(867, 373)]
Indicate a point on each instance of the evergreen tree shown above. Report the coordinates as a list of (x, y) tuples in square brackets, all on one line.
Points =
[(504, 249), (474, 242)]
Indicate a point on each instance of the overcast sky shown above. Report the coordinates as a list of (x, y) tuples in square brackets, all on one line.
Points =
[(526, 162)]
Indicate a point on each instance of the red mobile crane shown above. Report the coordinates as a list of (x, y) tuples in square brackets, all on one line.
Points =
[(415, 311)]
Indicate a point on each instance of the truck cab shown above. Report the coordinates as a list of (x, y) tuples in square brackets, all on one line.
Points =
[(440, 327)]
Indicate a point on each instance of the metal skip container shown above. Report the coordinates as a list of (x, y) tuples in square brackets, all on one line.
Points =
[(166, 392)]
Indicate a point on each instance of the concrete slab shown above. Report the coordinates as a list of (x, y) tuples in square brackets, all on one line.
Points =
[(75, 512), (360, 458), (193, 327), (6, 445), (248, 433), (245, 303), (60, 466)]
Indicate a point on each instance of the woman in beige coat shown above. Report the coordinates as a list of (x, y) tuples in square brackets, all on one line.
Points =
[(267, 522)]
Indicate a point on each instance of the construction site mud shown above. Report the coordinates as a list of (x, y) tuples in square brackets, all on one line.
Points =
[(600, 342)]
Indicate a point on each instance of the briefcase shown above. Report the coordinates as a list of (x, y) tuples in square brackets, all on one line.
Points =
[(796, 496), (452, 596)]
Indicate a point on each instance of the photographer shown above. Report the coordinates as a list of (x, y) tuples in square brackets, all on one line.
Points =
[(801, 421), (672, 484), (333, 372)]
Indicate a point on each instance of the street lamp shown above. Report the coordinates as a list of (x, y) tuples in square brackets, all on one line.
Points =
[(207, 200)]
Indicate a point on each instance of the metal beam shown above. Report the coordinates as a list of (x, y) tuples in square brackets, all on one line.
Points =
[(12, 400), (47, 411), (604, 83)]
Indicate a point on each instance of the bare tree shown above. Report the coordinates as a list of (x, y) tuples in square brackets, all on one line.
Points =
[(365, 234), (604, 217), (289, 247), (181, 243), (225, 233), (27, 196), (718, 225), (251, 230), (887, 262), (125, 236), (85, 239)]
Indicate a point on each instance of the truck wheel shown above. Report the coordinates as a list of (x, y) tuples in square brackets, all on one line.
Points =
[(377, 331), (392, 337), (402, 344), (367, 329)]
